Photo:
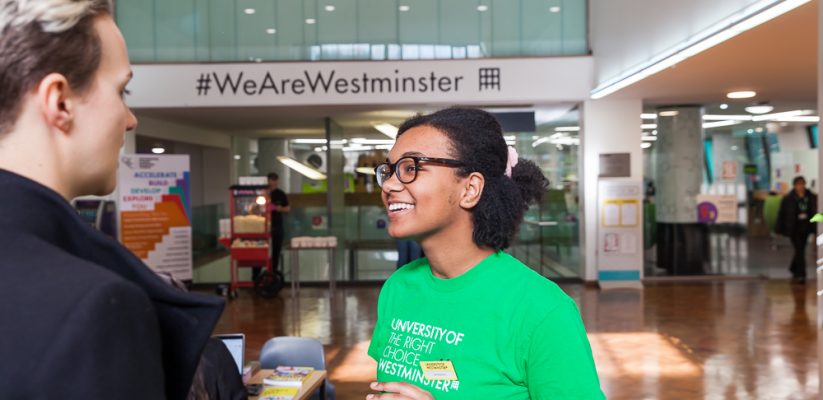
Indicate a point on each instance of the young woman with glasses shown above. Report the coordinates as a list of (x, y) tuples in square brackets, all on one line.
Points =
[(470, 321)]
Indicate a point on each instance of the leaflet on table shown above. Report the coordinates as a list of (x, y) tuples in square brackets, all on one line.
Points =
[(278, 393), (288, 376)]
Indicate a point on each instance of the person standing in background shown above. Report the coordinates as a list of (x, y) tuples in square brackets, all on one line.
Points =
[(793, 221), (279, 206)]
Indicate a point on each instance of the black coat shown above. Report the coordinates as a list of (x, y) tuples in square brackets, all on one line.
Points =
[(81, 317), (788, 223)]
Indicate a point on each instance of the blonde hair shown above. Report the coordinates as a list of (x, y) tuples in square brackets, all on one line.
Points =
[(53, 16), (40, 37)]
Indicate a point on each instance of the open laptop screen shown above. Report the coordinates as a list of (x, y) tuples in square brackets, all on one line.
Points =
[(236, 344)]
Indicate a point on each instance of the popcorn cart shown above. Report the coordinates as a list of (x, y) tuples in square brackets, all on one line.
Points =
[(248, 240)]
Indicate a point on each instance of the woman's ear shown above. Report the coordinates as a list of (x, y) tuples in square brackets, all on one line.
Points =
[(473, 190)]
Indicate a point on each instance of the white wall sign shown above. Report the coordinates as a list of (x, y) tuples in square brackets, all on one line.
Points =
[(474, 81), (155, 211)]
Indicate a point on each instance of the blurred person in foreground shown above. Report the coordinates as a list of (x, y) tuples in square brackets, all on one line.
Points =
[(81, 317)]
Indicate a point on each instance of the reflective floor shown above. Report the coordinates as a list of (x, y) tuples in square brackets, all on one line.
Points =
[(736, 254), (725, 339)]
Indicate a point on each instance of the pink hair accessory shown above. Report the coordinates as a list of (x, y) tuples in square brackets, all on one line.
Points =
[(512, 161)]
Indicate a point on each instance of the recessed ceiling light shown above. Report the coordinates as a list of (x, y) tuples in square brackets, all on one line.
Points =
[(724, 106), (237, 156), (158, 150), (329, 8), (405, 8), (249, 11), (760, 109), (554, 9), (743, 94), (759, 130), (482, 8), (669, 113), (750, 131), (271, 31), (645, 145), (311, 21)]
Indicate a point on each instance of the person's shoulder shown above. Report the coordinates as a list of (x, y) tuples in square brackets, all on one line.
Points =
[(44, 290), (112, 297), (35, 263), (530, 286)]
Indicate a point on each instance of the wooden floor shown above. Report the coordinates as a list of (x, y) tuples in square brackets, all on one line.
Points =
[(732, 339)]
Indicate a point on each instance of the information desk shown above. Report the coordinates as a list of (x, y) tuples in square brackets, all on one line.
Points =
[(316, 380)]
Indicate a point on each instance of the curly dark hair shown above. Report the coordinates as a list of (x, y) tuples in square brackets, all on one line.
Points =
[(477, 140)]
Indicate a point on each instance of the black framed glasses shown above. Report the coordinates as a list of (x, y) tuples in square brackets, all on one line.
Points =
[(406, 168)]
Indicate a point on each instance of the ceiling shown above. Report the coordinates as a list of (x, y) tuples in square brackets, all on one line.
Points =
[(280, 121), (310, 121), (777, 59)]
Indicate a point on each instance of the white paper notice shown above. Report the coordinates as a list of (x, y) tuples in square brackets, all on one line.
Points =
[(611, 243), (611, 215), (628, 214), (628, 243)]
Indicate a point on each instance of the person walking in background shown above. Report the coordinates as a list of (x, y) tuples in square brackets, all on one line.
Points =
[(793, 221)]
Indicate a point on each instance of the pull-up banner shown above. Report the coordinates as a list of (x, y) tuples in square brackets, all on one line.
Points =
[(478, 81), (155, 211)]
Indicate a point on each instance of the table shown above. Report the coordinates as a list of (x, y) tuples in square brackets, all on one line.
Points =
[(295, 267), (317, 380)]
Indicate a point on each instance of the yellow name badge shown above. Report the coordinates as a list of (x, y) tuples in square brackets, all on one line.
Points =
[(438, 370)]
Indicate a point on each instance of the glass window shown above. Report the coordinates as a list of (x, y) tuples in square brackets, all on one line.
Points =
[(288, 30)]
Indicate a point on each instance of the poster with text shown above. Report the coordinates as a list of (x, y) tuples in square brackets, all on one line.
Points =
[(716, 209), (620, 233), (155, 211)]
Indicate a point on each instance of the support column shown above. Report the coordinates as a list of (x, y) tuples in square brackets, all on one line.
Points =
[(681, 241), (608, 127)]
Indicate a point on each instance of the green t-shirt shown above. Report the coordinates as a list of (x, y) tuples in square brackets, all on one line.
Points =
[(509, 333)]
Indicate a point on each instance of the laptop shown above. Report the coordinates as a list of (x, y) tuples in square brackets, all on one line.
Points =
[(236, 343)]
